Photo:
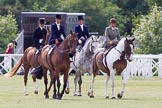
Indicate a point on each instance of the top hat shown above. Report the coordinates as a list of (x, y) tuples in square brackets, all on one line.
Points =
[(80, 17), (58, 16), (42, 20)]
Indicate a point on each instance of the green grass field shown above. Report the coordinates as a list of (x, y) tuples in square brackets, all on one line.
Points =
[(139, 94)]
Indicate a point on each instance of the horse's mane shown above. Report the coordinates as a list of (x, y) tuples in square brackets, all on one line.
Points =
[(121, 41), (87, 42)]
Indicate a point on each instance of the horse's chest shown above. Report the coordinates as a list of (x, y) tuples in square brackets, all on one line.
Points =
[(119, 65)]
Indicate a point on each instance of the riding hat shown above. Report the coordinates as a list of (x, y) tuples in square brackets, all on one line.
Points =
[(58, 16), (42, 20), (80, 18), (112, 20)]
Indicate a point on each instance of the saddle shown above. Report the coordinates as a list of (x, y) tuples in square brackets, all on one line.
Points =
[(104, 53), (48, 56)]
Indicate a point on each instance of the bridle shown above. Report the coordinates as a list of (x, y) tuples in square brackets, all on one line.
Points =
[(127, 50), (70, 49), (91, 45)]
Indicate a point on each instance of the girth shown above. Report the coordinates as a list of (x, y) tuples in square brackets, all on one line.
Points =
[(104, 56)]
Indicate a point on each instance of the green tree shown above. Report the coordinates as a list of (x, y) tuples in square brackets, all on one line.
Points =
[(148, 32), (98, 12), (8, 30)]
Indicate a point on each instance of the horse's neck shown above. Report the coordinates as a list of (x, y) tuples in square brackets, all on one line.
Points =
[(120, 47), (86, 46), (64, 45)]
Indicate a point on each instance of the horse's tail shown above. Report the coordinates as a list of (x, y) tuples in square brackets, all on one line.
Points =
[(14, 69)]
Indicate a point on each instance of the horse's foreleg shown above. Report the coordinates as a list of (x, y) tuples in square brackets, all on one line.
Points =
[(80, 83), (120, 94), (112, 75), (75, 84), (106, 85), (58, 87), (65, 82), (67, 90), (26, 68), (90, 94), (35, 85)]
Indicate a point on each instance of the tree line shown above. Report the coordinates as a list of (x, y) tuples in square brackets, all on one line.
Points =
[(98, 12)]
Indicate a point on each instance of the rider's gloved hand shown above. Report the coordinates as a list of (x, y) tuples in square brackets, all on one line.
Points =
[(80, 41)]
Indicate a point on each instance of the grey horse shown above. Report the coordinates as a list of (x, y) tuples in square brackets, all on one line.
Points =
[(82, 62)]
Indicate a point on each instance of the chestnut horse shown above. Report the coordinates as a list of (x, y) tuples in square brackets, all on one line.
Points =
[(29, 60), (58, 62), (112, 62)]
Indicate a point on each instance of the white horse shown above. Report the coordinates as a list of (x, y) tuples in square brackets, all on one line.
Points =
[(82, 62), (111, 63)]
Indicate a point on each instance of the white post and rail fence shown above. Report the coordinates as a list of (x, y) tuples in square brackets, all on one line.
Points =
[(142, 66)]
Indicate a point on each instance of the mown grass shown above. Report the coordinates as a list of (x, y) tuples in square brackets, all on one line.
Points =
[(139, 94)]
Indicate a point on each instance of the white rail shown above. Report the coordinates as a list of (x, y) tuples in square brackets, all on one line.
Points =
[(142, 66), (8, 61), (145, 66)]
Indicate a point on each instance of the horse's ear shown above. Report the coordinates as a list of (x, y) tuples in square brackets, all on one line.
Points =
[(133, 39), (126, 38), (71, 32), (92, 38)]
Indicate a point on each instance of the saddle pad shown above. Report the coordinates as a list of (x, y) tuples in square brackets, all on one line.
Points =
[(52, 47)]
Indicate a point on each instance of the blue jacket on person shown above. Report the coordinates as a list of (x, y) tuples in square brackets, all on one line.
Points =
[(84, 33), (56, 34)]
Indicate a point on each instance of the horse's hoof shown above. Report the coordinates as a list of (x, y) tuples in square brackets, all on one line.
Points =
[(67, 91), (59, 98), (113, 97), (88, 93), (47, 97), (79, 94), (75, 95), (26, 94), (92, 96), (35, 92), (54, 97), (107, 97), (119, 96)]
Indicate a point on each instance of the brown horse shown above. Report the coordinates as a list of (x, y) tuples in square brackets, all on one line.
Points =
[(112, 62), (29, 60), (58, 62)]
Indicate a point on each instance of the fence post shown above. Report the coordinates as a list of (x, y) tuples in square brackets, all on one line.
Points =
[(160, 68)]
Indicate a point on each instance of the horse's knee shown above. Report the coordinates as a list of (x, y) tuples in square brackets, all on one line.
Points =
[(80, 81)]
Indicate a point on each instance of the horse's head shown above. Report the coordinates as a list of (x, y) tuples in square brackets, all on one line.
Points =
[(72, 43), (128, 48), (93, 44)]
